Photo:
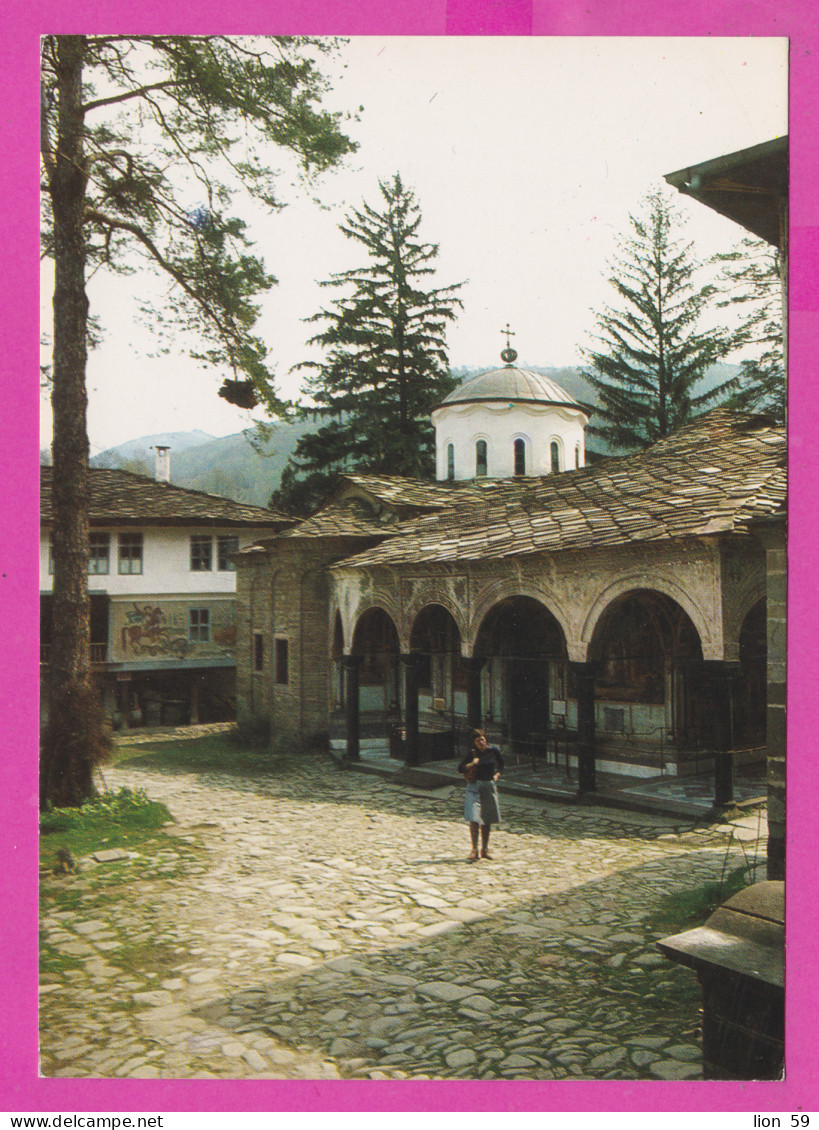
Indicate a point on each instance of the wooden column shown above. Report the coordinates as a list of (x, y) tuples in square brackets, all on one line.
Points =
[(772, 532), (411, 662), (474, 666), (722, 677), (586, 768), (350, 665)]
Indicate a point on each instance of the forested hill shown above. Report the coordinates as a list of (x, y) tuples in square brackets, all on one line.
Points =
[(247, 468)]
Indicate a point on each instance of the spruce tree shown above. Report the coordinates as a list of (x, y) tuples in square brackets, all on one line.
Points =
[(752, 278), (385, 363), (650, 355), (145, 143)]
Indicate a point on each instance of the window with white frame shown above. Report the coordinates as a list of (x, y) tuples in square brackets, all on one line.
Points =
[(520, 457), (201, 553), (198, 625), (554, 453), (480, 459), (226, 544), (99, 546), (450, 461), (130, 553)]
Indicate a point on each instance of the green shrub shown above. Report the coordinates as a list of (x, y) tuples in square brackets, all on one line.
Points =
[(692, 907), (126, 807)]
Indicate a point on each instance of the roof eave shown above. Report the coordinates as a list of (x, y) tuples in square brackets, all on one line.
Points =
[(748, 186)]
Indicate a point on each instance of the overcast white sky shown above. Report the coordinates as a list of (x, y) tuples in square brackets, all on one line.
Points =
[(526, 154)]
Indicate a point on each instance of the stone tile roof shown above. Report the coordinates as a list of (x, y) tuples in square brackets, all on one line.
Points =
[(123, 498), (376, 506), (711, 477), (413, 493), (344, 518)]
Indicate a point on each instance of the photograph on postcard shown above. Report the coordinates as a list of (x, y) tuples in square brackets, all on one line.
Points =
[(412, 562)]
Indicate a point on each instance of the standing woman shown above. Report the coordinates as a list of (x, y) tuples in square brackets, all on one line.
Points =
[(481, 767)]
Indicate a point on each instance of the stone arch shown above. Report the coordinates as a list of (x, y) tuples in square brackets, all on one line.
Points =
[(525, 670), (370, 601), (375, 642), (435, 637), (654, 583), (746, 600), (425, 596), (649, 674), (500, 590)]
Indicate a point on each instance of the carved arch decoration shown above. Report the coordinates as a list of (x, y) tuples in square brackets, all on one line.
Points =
[(375, 602), (655, 582), (353, 594), (429, 592), (498, 590), (735, 617)]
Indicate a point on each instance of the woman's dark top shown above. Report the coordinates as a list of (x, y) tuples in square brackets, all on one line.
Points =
[(491, 763)]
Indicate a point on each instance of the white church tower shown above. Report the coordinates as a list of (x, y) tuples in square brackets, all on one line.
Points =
[(508, 422)]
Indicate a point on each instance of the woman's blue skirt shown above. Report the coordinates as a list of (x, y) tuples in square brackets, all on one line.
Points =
[(481, 803)]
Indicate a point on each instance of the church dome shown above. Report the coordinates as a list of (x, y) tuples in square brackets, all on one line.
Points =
[(508, 422), (512, 385)]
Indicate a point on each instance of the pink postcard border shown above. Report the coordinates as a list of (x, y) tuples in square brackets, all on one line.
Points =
[(22, 24)]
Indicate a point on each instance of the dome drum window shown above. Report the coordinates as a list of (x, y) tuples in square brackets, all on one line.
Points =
[(520, 456), (480, 459)]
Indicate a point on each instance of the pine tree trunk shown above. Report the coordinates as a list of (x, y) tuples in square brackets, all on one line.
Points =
[(72, 740)]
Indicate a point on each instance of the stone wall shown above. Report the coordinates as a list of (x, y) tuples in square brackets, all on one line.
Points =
[(282, 594)]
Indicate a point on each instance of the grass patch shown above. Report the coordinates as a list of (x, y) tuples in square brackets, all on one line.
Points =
[(114, 820), (686, 909), (53, 961), (221, 752)]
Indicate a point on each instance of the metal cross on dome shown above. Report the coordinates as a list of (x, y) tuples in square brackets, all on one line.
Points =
[(508, 355)]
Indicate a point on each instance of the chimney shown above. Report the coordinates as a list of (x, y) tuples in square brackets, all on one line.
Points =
[(162, 471)]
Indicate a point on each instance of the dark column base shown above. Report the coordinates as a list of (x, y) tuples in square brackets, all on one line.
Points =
[(722, 677)]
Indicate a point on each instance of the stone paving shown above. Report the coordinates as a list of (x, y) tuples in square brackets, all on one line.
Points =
[(325, 924)]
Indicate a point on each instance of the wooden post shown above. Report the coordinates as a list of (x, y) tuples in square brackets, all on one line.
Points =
[(586, 767), (722, 677), (474, 666), (350, 665), (411, 662)]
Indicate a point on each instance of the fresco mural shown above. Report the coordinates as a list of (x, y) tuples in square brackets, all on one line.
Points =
[(166, 630)]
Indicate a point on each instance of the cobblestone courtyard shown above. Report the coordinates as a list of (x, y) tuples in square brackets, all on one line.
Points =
[(325, 924)]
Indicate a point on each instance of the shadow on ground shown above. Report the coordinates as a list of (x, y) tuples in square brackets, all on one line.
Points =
[(560, 987)]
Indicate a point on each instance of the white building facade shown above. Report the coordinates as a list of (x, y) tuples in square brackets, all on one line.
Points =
[(162, 586)]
